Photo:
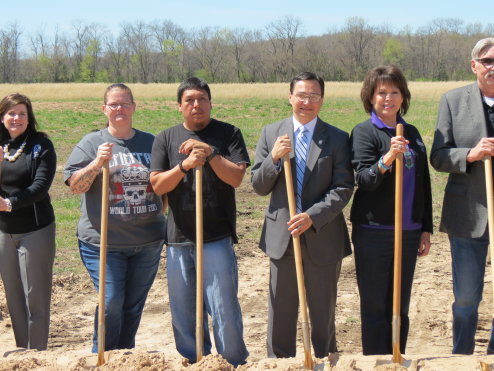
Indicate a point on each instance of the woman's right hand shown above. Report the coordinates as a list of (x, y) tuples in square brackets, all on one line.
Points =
[(104, 154), (398, 145), (3, 204)]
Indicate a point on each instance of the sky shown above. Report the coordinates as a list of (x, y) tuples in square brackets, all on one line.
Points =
[(317, 16)]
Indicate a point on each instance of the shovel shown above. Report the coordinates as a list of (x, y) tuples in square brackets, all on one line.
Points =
[(308, 362), (199, 267), (397, 358), (490, 217), (102, 264)]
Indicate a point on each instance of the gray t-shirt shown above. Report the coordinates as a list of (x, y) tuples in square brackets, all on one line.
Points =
[(135, 215)]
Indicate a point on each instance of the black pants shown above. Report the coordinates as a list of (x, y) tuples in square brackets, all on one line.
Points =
[(374, 255)]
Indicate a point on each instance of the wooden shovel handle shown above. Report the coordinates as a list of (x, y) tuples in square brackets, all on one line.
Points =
[(102, 263), (397, 253), (398, 226), (298, 266), (199, 266), (490, 208)]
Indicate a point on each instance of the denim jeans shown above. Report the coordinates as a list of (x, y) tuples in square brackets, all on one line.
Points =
[(130, 273), (468, 257), (220, 300)]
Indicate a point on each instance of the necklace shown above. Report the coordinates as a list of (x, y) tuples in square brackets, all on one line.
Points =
[(16, 155)]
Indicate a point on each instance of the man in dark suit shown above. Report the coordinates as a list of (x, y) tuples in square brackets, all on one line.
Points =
[(464, 136), (324, 186)]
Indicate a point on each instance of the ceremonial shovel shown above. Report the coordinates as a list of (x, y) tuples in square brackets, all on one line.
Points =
[(308, 362), (199, 267), (102, 264), (490, 217), (397, 358)]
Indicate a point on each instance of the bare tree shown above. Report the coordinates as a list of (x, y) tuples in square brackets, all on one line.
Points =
[(356, 38), (170, 40), (209, 44), (138, 37), (9, 50), (117, 58), (283, 35), (238, 40), (162, 51)]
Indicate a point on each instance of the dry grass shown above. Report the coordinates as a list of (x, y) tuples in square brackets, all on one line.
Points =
[(75, 91)]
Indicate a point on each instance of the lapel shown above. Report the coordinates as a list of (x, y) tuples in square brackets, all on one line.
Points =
[(476, 110), (317, 143)]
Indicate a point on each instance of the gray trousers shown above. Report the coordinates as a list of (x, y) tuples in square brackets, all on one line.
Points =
[(321, 291), (26, 266)]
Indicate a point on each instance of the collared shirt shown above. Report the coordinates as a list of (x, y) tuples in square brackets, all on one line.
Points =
[(488, 101), (297, 126), (310, 126)]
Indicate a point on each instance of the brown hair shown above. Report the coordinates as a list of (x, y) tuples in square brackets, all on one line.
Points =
[(118, 86), (10, 101), (387, 75)]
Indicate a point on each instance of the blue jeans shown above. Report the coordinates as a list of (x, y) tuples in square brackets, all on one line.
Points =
[(220, 300), (468, 257), (130, 273)]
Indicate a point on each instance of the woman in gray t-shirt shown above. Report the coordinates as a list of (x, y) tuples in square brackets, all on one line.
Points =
[(136, 224)]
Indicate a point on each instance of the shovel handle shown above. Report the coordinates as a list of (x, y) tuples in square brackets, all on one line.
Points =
[(102, 263), (490, 207), (308, 362), (396, 322), (199, 266)]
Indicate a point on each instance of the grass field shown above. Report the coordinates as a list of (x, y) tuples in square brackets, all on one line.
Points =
[(68, 111)]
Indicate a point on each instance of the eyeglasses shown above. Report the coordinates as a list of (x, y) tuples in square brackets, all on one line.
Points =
[(115, 106), (486, 62), (312, 98)]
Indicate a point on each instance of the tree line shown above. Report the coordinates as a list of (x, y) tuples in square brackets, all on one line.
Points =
[(163, 52)]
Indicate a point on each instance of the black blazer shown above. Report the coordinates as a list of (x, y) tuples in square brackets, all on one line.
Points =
[(373, 203), (31, 204)]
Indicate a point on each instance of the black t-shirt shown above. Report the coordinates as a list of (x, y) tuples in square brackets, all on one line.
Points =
[(219, 210)]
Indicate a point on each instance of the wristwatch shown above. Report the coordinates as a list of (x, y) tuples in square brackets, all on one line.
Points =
[(212, 155)]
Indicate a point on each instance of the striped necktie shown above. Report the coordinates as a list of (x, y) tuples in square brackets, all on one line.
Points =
[(301, 148)]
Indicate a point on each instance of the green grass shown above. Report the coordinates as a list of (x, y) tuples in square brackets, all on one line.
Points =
[(68, 122)]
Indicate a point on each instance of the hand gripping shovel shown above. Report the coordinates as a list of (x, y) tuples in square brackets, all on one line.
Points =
[(308, 362), (490, 217), (199, 267), (102, 264), (397, 358)]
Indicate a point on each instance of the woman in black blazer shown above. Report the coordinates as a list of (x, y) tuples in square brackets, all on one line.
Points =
[(375, 146)]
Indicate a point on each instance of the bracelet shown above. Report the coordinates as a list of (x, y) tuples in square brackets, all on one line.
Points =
[(181, 167), (381, 163), (9, 205)]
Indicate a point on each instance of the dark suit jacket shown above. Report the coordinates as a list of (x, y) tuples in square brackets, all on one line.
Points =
[(460, 126), (328, 186)]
